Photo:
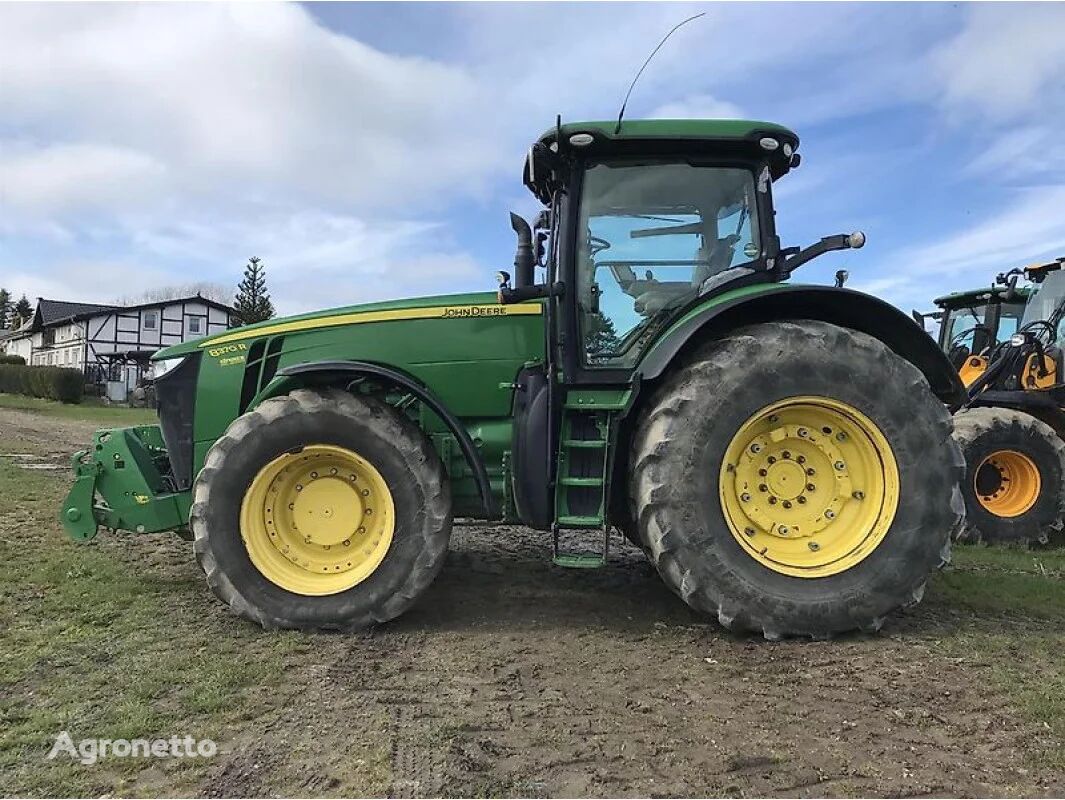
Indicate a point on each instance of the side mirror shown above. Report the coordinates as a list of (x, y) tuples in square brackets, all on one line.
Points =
[(841, 277), (918, 317)]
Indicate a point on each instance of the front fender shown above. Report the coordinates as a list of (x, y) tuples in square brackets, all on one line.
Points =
[(844, 307)]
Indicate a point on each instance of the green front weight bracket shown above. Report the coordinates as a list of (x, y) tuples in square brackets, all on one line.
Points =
[(118, 484), (77, 514)]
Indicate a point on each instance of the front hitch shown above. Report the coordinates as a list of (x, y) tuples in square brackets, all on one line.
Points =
[(121, 484)]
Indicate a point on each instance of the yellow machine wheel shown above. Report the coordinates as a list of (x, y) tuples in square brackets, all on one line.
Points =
[(809, 486), (321, 510), (795, 478), (1007, 483), (318, 521)]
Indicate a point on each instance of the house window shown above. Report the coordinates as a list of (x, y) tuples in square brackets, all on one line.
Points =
[(195, 325), (151, 320)]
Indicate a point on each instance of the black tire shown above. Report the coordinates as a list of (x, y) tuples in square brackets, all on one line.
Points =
[(396, 448), (695, 413), (981, 432)]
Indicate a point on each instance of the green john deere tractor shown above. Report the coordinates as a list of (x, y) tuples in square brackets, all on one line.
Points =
[(782, 453)]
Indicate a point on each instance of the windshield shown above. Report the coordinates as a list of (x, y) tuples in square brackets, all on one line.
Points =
[(651, 237), (1046, 299), (961, 324)]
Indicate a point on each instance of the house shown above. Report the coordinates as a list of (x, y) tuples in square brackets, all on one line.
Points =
[(112, 344)]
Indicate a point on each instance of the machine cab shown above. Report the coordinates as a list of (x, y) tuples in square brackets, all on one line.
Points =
[(640, 223), (643, 221)]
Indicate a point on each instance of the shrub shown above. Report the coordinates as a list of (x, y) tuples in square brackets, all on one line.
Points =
[(12, 359), (51, 383)]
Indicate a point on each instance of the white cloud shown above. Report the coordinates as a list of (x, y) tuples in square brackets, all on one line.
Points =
[(700, 106), (1007, 60), (71, 177), (241, 100)]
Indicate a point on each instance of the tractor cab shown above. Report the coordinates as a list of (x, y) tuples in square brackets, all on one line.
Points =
[(1027, 354), (973, 322)]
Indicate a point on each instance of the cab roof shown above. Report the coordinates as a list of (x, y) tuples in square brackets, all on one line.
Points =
[(717, 129), (739, 138), (970, 297)]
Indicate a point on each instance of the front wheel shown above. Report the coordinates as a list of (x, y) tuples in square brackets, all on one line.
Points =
[(797, 478), (321, 510)]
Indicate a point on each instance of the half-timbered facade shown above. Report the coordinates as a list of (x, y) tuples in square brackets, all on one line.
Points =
[(112, 344)]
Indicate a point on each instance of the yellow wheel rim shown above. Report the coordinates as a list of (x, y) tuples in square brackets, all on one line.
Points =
[(1007, 483), (809, 486), (317, 521)]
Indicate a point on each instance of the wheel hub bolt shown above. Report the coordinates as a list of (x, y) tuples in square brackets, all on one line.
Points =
[(783, 529), (814, 546), (803, 433), (786, 454), (810, 471), (763, 472), (840, 465), (787, 504), (314, 474), (772, 501), (756, 448), (746, 498), (801, 459), (749, 531), (772, 460), (859, 495), (830, 514), (811, 488), (801, 499), (763, 488), (841, 436)]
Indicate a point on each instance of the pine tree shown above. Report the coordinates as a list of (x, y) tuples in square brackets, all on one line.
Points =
[(600, 336), (23, 311), (253, 301), (5, 308)]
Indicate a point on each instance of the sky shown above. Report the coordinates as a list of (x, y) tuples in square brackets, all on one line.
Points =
[(370, 151)]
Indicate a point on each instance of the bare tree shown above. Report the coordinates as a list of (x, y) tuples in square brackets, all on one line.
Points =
[(205, 289)]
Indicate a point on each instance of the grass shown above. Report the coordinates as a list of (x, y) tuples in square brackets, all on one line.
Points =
[(90, 410), (94, 645), (1013, 601)]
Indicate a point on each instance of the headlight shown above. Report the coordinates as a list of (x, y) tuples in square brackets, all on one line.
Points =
[(1018, 339), (158, 369)]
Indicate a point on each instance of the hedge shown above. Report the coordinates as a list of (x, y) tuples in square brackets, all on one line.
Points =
[(5, 359), (52, 383)]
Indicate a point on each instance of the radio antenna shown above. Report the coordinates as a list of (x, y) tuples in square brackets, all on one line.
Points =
[(625, 102)]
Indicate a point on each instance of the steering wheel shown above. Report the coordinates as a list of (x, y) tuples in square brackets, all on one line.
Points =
[(597, 245)]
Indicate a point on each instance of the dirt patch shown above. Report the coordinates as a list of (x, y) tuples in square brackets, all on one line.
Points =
[(510, 677), (51, 439)]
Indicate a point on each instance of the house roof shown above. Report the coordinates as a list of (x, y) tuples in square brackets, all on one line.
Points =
[(50, 312), (55, 312)]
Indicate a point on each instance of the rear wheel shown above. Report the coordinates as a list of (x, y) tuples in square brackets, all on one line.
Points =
[(1015, 485), (321, 510), (796, 478)]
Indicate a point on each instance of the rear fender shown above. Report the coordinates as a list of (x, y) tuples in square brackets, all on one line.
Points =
[(843, 307)]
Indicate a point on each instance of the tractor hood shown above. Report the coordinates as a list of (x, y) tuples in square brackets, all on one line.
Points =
[(471, 304)]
